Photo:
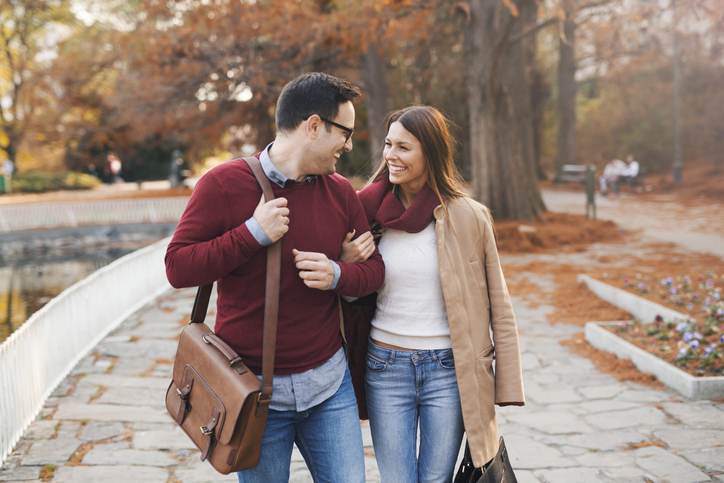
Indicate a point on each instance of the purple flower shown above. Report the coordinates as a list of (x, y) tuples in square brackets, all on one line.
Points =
[(709, 349), (698, 336), (688, 336), (694, 344), (667, 281), (682, 352), (721, 339), (682, 326), (673, 290)]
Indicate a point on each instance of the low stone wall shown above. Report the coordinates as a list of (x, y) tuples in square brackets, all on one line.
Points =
[(32, 216), (642, 309), (598, 335)]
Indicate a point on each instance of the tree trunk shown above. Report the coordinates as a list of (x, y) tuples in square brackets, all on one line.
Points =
[(566, 145), (538, 96), (678, 164), (501, 141), (375, 95), (538, 93)]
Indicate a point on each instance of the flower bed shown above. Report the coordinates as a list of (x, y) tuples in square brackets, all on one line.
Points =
[(695, 345)]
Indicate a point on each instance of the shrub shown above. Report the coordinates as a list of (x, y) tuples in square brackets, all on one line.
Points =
[(41, 181)]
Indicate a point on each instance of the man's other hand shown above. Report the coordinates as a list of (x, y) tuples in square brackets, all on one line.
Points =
[(315, 269)]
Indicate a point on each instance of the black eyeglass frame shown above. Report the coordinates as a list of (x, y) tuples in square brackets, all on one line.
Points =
[(347, 131)]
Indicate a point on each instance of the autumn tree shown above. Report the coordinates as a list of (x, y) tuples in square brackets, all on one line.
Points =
[(25, 27), (499, 107)]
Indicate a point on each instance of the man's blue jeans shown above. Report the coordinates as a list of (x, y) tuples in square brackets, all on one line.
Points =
[(328, 436), (404, 387)]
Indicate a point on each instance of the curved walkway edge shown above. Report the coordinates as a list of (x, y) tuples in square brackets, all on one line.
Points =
[(38, 357)]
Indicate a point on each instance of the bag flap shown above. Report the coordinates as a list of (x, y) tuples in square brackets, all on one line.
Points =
[(231, 385)]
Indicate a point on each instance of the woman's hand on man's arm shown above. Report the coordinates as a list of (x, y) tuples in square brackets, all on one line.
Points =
[(359, 249)]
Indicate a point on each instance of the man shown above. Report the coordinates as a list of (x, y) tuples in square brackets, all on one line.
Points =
[(221, 236), (611, 174), (631, 172)]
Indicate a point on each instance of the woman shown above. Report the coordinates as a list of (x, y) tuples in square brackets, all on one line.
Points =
[(430, 354)]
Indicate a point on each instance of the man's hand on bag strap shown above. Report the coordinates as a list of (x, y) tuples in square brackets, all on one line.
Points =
[(316, 270), (273, 217)]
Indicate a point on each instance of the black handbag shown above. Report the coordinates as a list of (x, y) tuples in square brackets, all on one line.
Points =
[(498, 470)]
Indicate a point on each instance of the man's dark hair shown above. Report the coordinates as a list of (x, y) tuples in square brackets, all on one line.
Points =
[(312, 93)]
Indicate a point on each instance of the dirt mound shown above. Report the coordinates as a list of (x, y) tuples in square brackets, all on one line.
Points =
[(559, 231), (703, 182)]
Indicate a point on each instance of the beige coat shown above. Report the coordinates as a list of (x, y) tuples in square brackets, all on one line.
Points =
[(482, 323)]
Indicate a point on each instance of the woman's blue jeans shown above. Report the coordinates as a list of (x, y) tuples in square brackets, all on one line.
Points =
[(328, 436), (404, 388)]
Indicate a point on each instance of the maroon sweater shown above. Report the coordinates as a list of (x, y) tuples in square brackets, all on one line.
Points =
[(211, 243)]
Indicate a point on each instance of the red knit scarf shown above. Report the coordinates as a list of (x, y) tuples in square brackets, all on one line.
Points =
[(385, 209)]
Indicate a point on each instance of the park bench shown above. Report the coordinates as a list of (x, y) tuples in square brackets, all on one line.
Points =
[(571, 172)]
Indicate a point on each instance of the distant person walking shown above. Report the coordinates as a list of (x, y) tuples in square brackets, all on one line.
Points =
[(8, 170), (114, 168), (176, 168)]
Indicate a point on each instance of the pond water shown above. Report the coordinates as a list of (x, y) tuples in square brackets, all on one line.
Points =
[(37, 266)]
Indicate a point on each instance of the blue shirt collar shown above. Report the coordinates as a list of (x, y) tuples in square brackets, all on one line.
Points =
[(270, 170)]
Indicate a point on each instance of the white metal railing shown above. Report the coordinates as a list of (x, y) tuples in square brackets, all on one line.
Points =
[(41, 353), (96, 212)]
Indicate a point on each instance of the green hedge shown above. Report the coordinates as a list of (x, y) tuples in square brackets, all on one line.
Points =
[(41, 181)]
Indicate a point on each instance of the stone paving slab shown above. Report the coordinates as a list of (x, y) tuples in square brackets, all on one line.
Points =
[(106, 422), (110, 474)]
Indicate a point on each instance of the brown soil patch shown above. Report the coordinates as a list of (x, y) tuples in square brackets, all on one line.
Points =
[(519, 285), (646, 444), (47, 472), (559, 231), (643, 275), (77, 457), (662, 340), (573, 303), (702, 182), (97, 395), (621, 369)]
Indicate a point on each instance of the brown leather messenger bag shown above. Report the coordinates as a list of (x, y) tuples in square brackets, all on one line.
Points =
[(213, 396)]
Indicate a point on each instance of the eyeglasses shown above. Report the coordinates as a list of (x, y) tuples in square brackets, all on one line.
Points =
[(347, 131)]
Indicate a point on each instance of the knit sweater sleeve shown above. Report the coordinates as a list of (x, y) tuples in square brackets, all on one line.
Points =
[(203, 249), (360, 279)]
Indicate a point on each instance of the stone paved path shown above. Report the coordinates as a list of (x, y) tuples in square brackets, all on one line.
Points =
[(107, 421)]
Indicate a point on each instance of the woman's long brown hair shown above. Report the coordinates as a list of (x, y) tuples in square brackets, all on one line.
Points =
[(431, 128)]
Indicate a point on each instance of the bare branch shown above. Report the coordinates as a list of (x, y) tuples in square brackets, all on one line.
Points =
[(533, 29)]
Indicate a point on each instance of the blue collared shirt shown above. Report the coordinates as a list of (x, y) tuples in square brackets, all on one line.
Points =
[(299, 392)]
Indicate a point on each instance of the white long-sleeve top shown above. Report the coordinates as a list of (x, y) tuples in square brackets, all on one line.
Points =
[(410, 308)]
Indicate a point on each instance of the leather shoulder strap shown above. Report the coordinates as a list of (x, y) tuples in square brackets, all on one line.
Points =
[(271, 302)]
